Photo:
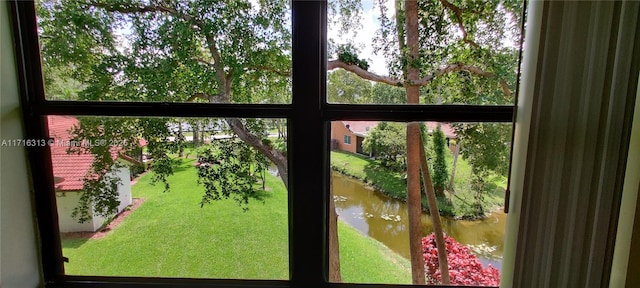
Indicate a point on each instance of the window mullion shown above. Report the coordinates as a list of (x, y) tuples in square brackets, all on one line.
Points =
[(307, 141)]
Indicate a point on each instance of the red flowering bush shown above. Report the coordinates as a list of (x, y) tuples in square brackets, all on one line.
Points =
[(464, 267)]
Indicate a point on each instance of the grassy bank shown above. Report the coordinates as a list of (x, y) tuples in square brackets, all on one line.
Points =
[(169, 235), (392, 183)]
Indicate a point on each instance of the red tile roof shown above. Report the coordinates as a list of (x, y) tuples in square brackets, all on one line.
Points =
[(360, 127), (446, 129), (70, 167)]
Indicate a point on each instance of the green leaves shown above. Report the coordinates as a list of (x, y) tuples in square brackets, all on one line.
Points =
[(229, 169), (387, 142), (347, 54), (440, 172), (345, 87)]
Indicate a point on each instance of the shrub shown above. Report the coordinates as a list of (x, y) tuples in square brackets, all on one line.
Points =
[(464, 267)]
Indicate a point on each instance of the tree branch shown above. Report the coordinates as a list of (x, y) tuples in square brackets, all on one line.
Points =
[(471, 69), (203, 61), (457, 11), (272, 153), (130, 8), (219, 67), (333, 64), (285, 73), (199, 96)]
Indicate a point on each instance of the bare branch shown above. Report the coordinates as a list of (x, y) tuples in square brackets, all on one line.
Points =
[(333, 64), (458, 13)]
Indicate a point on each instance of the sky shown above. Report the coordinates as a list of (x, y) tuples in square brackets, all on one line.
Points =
[(365, 35)]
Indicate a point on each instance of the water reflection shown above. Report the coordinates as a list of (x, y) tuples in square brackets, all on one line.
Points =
[(385, 220)]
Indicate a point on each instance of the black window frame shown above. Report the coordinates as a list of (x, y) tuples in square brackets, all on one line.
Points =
[(308, 121), (347, 139)]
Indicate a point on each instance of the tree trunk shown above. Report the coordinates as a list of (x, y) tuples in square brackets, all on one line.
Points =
[(181, 135), (413, 151), (414, 203), (276, 122), (202, 134), (334, 243), (435, 218), (456, 153), (196, 134)]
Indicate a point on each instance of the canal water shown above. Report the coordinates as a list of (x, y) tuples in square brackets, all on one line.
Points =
[(385, 220)]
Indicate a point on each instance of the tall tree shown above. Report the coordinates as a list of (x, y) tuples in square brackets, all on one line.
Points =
[(440, 173), (345, 87), (486, 148), (387, 94), (456, 51), (454, 166), (386, 141), (172, 51)]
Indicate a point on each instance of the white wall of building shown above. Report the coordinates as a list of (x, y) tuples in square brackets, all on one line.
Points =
[(69, 200)]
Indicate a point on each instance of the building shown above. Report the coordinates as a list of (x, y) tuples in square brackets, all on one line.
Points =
[(69, 169), (348, 135)]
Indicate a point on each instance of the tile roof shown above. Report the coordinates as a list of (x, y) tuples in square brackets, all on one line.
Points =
[(70, 167), (446, 128), (360, 127)]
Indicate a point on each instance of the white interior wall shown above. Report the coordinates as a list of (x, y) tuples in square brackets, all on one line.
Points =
[(19, 264)]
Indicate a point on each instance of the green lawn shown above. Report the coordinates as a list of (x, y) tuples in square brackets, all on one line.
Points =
[(365, 260), (393, 184), (170, 235)]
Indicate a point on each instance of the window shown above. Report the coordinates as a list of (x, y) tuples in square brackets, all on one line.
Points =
[(306, 117)]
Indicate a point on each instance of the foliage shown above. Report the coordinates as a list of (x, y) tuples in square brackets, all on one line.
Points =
[(99, 196), (348, 54), (478, 186), (169, 51), (387, 94), (467, 32), (440, 173), (485, 145), (387, 142), (345, 87), (104, 138), (464, 267), (229, 168)]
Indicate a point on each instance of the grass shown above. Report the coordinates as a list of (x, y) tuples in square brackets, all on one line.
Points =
[(169, 235), (365, 260), (392, 183), (361, 167)]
